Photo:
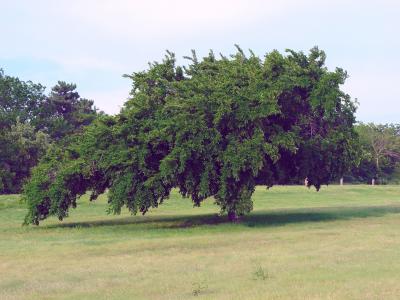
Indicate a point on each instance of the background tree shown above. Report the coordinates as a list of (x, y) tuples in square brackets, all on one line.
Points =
[(64, 112), (20, 144), (20, 149), (380, 145), (29, 121), (19, 100), (217, 127)]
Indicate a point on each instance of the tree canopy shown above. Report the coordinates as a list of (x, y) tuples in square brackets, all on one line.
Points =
[(19, 100), (30, 121), (214, 128), (64, 112)]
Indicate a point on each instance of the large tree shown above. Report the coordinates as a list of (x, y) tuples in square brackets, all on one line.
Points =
[(215, 128)]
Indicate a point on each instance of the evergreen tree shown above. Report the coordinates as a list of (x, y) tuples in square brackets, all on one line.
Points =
[(64, 112)]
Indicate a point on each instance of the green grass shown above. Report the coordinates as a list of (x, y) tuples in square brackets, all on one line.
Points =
[(339, 243)]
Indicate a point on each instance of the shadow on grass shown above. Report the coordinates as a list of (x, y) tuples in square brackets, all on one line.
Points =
[(318, 215), (255, 219)]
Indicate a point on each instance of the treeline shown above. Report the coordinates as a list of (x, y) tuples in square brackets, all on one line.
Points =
[(31, 122), (379, 156)]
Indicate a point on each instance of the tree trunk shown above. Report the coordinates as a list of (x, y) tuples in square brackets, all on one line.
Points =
[(232, 216)]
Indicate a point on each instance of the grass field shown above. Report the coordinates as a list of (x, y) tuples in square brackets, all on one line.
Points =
[(339, 243)]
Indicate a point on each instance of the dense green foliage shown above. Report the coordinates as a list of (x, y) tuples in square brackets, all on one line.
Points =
[(20, 144), (64, 112), (21, 147), (217, 127), (30, 120), (380, 153), (19, 100)]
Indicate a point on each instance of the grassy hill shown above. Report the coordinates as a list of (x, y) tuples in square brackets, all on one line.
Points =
[(339, 243)]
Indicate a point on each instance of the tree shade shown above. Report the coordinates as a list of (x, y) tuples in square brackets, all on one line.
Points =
[(214, 128)]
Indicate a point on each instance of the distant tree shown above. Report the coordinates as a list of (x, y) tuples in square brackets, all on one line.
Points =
[(20, 149), (20, 144), (64, 112), (29, 121), (18, 100), (215, 128), (380, 146)]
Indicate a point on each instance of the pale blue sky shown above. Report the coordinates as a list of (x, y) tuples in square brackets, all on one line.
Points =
[(92, 43)]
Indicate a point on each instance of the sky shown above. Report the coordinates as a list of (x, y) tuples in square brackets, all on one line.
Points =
[(93, 43)]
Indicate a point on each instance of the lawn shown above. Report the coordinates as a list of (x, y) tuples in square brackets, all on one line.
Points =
[(339, 243)]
